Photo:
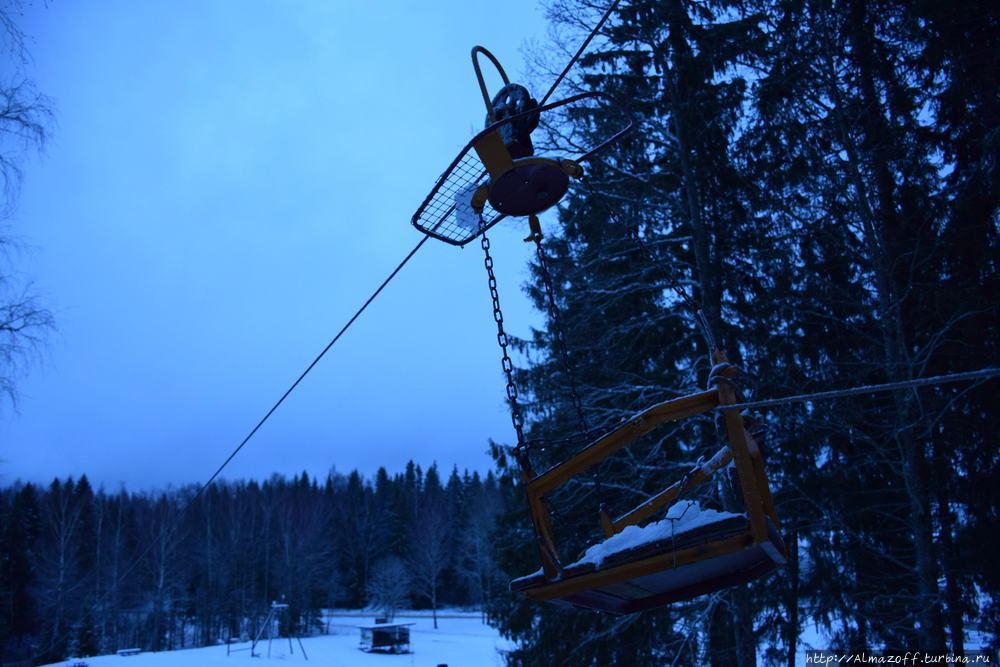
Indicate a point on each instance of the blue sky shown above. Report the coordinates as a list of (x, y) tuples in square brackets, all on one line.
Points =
[(226, 183)]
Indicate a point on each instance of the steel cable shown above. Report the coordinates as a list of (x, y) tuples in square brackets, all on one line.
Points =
[(982, 373)]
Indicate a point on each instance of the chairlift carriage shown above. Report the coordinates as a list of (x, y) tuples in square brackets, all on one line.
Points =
[(497, 175), (729, 550)]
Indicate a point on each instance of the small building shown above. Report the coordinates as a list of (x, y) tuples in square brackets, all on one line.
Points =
[(385, 638)]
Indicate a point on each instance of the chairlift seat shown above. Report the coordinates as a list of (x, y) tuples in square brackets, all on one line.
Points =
[(651, 569), (702, 560)]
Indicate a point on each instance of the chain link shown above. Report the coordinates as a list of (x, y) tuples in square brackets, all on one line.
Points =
[(564, 358), (560, 334), (633, 233), (516, 418)]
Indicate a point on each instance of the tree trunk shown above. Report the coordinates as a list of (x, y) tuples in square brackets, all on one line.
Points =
[(707, 277), (881, 226), (721, 648), (744, 634), (792, 601), (949, 556), (434, 605)]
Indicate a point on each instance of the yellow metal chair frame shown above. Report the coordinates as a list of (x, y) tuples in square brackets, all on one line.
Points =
[(670, 571)]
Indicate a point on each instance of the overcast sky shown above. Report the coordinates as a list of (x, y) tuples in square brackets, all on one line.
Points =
[(227, 182)]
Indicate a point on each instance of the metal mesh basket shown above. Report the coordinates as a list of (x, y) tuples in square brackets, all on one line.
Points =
[(447, 212)]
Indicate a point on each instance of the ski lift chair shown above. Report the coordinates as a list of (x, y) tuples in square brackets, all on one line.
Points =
[(730, 551)]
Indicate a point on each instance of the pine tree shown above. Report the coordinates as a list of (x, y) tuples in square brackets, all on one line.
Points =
[(851, 167), (21, 530)]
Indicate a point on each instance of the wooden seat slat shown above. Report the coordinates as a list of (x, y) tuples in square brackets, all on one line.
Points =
[(644, 577)]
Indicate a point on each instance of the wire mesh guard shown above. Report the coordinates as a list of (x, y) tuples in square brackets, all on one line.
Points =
[(447, 213)]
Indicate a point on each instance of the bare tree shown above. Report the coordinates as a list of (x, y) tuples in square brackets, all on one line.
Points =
[(25, 115), (475, 561), (161, 530), (60, 575), (388, 586), (429, 552), (23, 325)]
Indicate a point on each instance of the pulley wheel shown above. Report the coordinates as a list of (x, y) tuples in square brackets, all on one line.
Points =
[(529, 188), (512, 100)]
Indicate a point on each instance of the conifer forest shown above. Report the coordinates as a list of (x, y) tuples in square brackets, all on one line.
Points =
[(88, 572), (821, 178)]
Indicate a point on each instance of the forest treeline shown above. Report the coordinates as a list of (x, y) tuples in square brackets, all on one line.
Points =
[(88, 572), (822, 177)]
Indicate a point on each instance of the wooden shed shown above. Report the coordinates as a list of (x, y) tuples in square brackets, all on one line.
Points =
[(385, 638)]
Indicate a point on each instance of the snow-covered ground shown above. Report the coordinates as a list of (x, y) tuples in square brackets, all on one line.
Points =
[(461, 639)]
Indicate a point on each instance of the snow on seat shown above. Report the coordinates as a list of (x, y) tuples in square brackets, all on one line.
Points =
[(691, 552)]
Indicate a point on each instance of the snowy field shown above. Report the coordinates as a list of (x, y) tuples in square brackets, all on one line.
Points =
[(461, 639)]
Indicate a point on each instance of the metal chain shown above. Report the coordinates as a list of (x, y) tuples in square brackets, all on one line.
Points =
[(516, 418), (564, 357), (633, 233), (560, 334)]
